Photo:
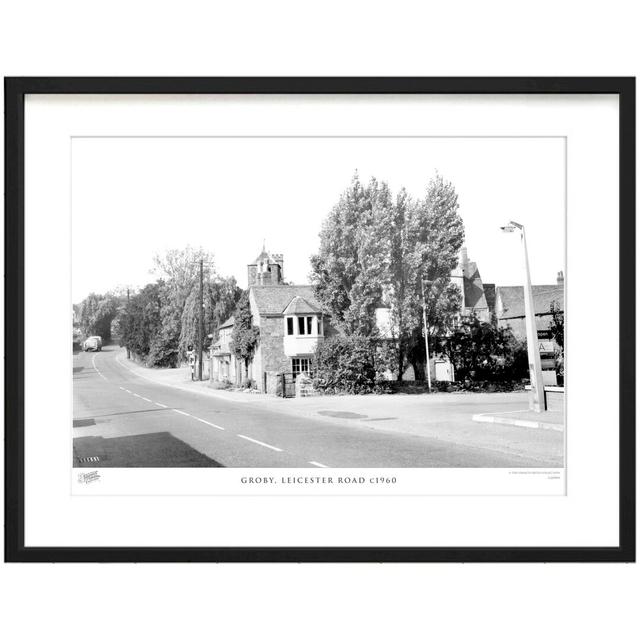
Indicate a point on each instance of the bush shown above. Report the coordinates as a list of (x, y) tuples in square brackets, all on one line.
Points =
[(484, 352), (224, 385), (347, 364)]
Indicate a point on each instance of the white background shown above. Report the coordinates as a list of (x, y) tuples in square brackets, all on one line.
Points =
[(490, 38), (213, 185), (587, 516)]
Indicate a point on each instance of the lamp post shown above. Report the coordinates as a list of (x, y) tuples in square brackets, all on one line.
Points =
[(426, 333), (536, 399)]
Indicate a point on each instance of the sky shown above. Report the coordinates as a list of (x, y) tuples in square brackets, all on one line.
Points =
[(135, 197)]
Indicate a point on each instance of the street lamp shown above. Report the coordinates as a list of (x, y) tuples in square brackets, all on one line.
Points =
[(536, 399), (426, 332)]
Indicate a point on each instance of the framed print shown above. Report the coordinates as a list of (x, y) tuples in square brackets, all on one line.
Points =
[(320, 319)]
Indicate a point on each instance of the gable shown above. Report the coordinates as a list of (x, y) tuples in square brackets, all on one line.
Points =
[(300, 305), (273, 300)]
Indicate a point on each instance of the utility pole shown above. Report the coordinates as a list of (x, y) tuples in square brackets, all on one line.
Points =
[(201, 323), (426, 336), (128, 298)]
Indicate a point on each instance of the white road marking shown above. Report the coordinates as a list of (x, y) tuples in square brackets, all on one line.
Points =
[(499, 413), (317, 464), (263, 444), (93, 364), (183, 413), (137, 396), (209, 423), (146, 399), (127, 390), (164, 406)]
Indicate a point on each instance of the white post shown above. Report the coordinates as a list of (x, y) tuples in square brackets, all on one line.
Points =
[(536, 399), (426, 336)]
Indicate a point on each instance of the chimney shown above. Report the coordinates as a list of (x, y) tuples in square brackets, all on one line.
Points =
[(560, 279), (279, 258), (464, 260)]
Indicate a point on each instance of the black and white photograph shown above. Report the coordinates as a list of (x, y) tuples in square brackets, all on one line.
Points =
[(353, 314), (318, 302)]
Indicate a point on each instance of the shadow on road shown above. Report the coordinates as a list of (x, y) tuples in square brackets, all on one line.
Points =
[(147, 450), (121, 413)]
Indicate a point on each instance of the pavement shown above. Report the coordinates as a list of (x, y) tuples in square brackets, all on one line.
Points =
[(552, 419), (128, 415)]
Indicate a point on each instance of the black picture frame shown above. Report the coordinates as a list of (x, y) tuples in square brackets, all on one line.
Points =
[(15, 91)]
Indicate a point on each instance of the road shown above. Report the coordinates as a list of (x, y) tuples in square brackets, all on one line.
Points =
[(123, 420)]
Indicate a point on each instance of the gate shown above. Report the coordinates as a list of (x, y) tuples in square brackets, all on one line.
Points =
[(287, 385)]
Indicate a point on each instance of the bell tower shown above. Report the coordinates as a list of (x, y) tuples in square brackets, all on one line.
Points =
[(266, 269)]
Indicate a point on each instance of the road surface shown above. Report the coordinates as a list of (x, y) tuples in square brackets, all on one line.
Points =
[(123, 420)]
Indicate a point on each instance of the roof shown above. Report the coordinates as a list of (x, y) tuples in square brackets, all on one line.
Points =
[(474, 297), (274, 299), (227, 323), (262, 256), (300, 305), (543, 295), (490, 295)]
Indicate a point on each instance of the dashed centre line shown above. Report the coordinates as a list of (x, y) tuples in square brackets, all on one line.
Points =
[(209, 423), (262, 444)]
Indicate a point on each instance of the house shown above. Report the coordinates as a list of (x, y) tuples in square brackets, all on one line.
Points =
[(476, 297), (510, 313), (291, 325), (509, 306), (224, 365)]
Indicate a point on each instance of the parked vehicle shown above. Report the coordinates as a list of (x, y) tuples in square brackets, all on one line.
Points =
[(93, 343)]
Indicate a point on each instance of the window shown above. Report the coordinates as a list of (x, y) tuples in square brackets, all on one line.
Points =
[(300, 365), (305, 325)]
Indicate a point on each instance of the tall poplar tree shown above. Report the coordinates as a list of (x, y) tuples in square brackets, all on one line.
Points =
[(348, 272), (376, 250)]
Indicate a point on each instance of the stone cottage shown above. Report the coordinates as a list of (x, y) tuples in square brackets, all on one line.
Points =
[(291, 324)]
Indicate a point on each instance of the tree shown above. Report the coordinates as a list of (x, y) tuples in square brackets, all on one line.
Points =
[(97, 312), (347, 364), (556, 326), (244, 337), (443, 300), (141, 325), (483, 351), (220, 297), (180, 271), (348, 272), (376, 250)]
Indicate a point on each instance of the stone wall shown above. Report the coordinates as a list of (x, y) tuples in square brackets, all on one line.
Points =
[(274, 386), (270, 353)]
